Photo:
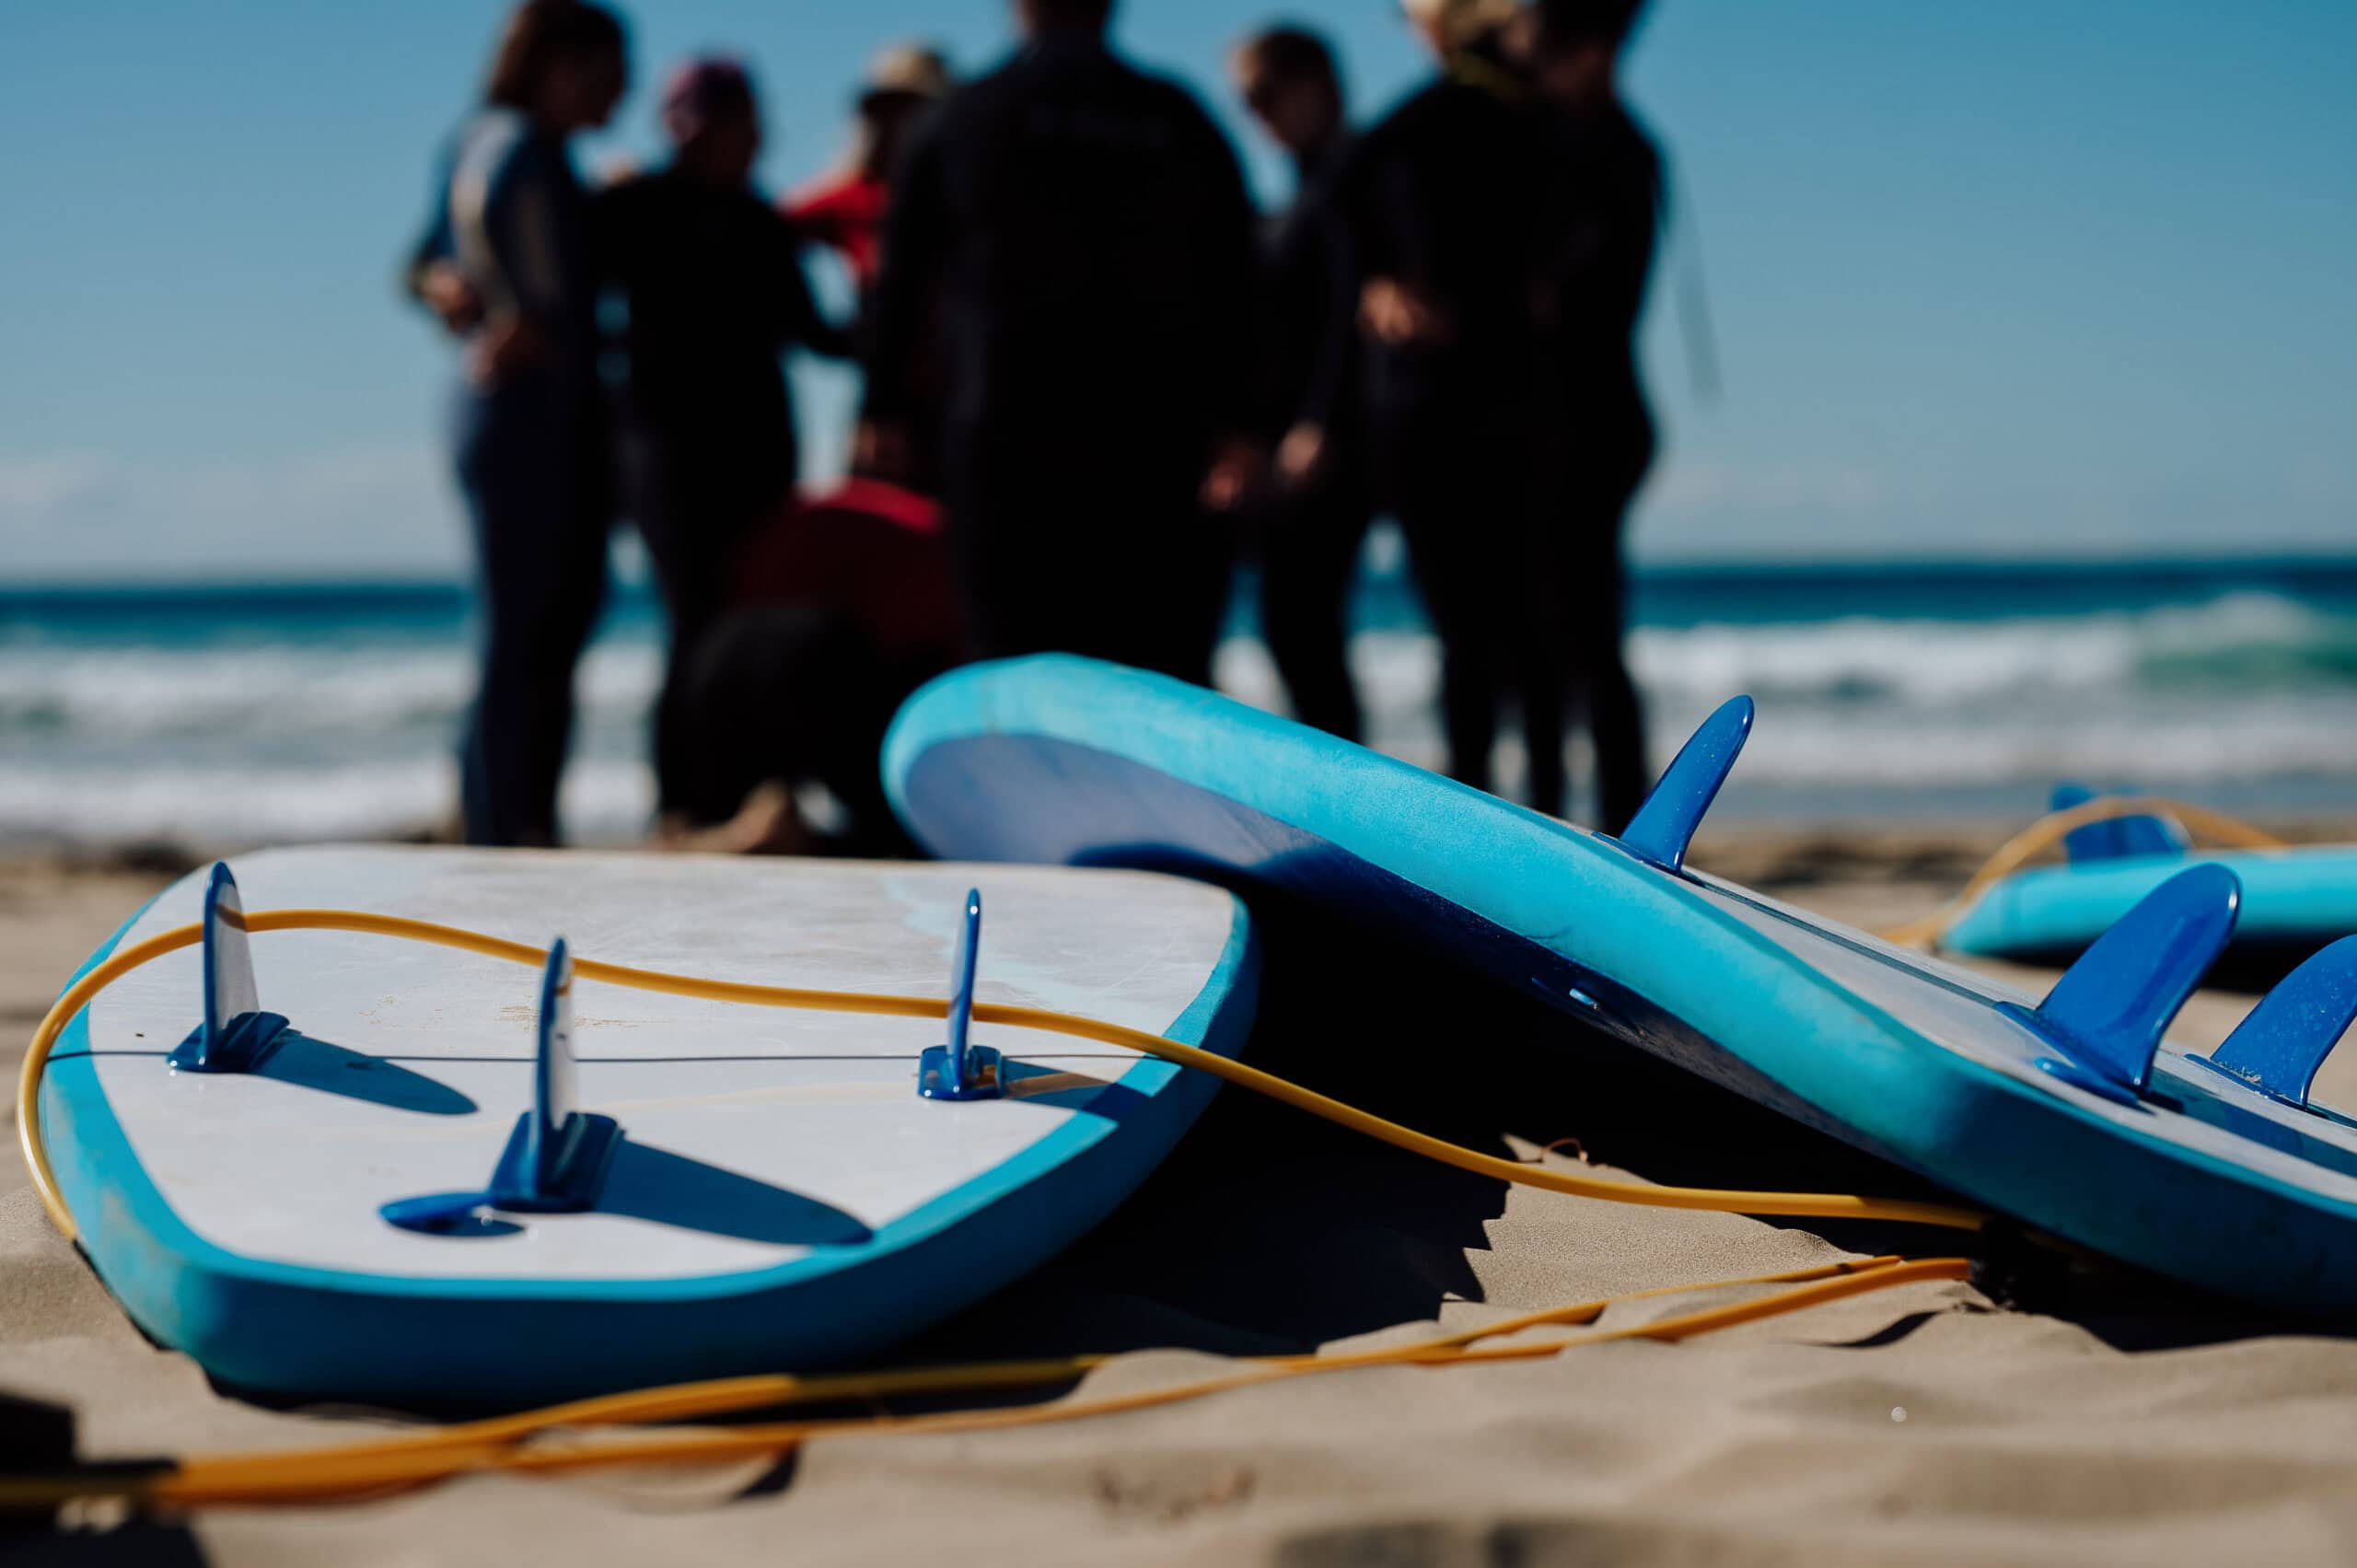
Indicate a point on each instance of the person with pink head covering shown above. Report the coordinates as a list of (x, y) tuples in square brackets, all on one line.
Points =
[(712, 276)]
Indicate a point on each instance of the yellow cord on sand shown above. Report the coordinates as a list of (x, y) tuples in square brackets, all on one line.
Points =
[(1820, 1205), (2051, 829), (369, 1468)]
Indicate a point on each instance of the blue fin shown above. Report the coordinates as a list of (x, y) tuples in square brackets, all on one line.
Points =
[(1665, 825), (2107, 1015), (235, 1034), (2121, 837), (961, 1070), (557, 1157), (2286, 1038)]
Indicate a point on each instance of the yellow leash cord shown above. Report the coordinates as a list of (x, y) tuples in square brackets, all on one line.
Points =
[(2051, 829), (1818, 1205), (363, 1470)]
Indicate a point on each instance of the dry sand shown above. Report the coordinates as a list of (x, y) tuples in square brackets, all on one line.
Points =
[(2121, 1419)]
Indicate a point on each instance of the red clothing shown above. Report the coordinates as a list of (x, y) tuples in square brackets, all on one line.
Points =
[(845, 212), (872, 551)]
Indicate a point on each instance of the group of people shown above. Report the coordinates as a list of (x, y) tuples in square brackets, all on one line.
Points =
[(1093, 373)]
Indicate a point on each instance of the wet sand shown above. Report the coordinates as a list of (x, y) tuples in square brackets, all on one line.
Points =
[(2104, 1417)]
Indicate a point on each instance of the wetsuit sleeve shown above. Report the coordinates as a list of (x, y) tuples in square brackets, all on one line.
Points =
[(803, 324), (1603, 252), (915, 251), (434, 242), (1234, 285), (1338, 321)]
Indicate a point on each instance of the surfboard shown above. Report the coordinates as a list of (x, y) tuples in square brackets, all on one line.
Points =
[(334, 1166), (2295, 900), (2071, 1112)]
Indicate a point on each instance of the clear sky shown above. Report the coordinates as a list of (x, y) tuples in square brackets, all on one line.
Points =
[(1997, 278)]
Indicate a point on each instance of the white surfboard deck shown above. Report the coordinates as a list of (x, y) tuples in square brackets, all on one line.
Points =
[(757, 1138)]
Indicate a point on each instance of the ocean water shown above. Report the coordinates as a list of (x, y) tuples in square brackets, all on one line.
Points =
[(225, 715)]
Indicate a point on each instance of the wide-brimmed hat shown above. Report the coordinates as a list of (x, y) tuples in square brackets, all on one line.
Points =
[(1460, 21), (907, 70)]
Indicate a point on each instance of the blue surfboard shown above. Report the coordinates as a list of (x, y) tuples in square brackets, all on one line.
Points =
[(2071, 1112), (335, 1165), (2295, 900)]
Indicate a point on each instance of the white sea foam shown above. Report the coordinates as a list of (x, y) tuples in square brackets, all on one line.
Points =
[(255, 739)]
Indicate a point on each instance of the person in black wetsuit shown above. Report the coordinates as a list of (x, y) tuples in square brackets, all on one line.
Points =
[(508, 265), (1437, 201), (1315, 518), (711, 275), (1601, 207), (1075, 238)]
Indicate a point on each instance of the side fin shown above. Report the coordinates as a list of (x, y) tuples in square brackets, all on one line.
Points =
[(2286, 1038), (961, 1070), (2120, 838), (234, 1034), (1665, 825), (2107, 1015)]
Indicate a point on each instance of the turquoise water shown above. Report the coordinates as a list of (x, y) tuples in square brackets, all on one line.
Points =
[(232, 713)]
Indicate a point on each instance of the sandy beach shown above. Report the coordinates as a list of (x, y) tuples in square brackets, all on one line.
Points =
[(2102, 1417)]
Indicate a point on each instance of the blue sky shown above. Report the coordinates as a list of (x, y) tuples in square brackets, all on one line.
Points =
[(2012, 277)]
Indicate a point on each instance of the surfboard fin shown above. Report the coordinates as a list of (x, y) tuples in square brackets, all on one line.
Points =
[(235, 1034), (1665, 825), (2121, 838), (557, 1157), (2105, 1016), (961, 1070), (2286, 1038)]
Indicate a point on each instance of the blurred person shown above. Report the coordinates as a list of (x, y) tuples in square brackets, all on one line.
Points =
[(1072, 236), (507, 262), (1602, 208), (712, 278), (841, 606), (844, 210), (1314, 520), (1437, 203)]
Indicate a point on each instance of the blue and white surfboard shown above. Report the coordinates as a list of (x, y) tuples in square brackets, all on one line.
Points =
[(2295, 900), (343, 1166), (2072, 1112)]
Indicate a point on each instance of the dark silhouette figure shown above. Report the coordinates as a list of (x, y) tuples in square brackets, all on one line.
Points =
[(1073, 238), (712, 279), (1313, 520), (508, 261), (1437, 201), (1601, 205)]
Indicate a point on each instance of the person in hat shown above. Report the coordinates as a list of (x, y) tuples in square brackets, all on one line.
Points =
[(844, 210), (711, 274), (1072, 244)]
